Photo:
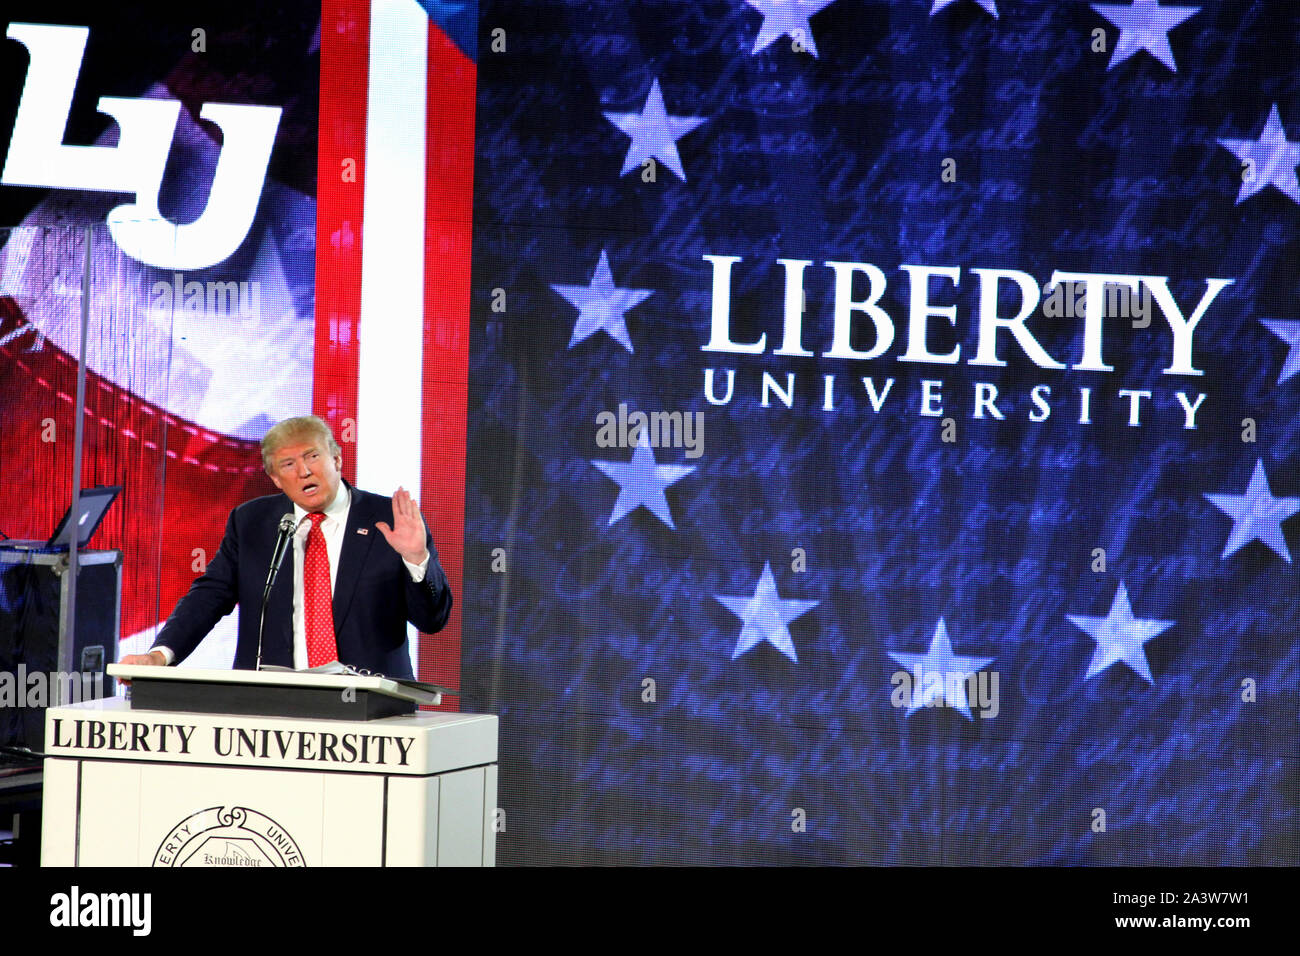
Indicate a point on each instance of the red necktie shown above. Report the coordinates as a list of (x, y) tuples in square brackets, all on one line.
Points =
[(318, 602)]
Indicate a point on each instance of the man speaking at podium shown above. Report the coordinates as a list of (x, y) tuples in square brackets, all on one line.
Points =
[(363, 566)]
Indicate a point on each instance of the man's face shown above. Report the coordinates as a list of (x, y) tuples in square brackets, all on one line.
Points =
[(307, 473)]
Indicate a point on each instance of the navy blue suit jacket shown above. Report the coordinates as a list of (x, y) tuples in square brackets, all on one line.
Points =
[(374, 596)]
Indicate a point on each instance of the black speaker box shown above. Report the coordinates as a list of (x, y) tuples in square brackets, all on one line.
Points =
[(32, 599)]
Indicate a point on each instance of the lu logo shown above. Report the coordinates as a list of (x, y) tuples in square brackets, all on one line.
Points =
[(37, 156)]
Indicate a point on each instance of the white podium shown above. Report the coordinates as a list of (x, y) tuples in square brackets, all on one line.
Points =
[(128, 787)]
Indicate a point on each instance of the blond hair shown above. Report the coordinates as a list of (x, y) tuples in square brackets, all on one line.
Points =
[(301, 428)]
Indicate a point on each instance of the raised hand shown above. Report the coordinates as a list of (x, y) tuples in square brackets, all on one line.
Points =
[(407, 534)]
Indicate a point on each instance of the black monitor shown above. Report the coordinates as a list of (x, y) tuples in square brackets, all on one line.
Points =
[(93, 505)]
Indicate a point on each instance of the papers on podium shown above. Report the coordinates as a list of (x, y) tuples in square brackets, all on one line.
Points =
[(333, 692)]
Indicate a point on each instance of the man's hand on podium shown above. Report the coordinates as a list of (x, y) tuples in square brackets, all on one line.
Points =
[(407, 534), (156, 658), (138, 660)]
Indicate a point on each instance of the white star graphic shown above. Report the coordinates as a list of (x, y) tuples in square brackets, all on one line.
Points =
[(938, 673), (641, 482), (1120, 636), (1256, 515), (1288, 332), (989, 5), (602, 306), (1144, 26), (765, 616), (654, 133), (1269, 161), (787, 18)]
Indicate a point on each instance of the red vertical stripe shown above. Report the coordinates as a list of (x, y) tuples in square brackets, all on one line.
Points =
[(449, 185), (340, 206)]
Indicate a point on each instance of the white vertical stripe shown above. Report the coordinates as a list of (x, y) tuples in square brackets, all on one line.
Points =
[(392, 267), (391, 346)]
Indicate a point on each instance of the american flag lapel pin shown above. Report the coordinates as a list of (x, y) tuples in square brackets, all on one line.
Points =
[(363, 531)]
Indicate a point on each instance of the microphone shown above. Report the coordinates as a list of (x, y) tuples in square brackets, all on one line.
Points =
[(287, 525)]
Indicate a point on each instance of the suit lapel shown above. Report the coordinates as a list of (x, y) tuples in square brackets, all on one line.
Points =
[(352, 556), (279, 606)]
